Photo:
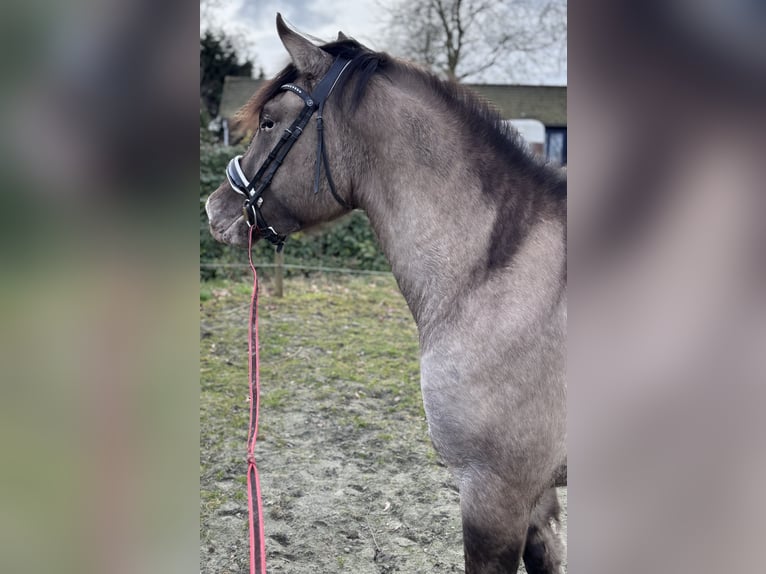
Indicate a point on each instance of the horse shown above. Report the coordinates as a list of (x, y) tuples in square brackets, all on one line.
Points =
[(474, 228)]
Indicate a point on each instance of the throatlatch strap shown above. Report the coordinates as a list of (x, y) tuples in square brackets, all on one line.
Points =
[(320, 149)]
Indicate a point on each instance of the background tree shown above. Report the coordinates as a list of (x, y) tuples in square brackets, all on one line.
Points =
[(512, 40), (217, 59)]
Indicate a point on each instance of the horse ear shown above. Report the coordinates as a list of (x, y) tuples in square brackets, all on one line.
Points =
[(341, 36), (306, 56)]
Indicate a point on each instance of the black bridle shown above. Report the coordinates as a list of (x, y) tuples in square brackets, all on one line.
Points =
[(254, 188)]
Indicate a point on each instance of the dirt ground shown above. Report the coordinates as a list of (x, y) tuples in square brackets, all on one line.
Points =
[(350, 480)]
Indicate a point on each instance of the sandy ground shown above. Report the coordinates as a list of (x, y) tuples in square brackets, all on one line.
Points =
[(350, 484)]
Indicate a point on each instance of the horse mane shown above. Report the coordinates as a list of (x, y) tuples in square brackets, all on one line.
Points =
[(481, 119)]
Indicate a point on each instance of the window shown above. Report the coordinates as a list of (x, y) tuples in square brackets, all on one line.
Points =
[(556, 145)]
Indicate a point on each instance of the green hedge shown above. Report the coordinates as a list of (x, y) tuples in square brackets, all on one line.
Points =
[(348, 243)]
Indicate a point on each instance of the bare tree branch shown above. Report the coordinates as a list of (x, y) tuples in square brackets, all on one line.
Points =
[(474, 39)]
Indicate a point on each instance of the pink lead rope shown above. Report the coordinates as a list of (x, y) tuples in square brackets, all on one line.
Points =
[(255, 506)]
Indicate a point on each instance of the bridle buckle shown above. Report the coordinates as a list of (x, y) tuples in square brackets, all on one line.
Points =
[(247, 213)]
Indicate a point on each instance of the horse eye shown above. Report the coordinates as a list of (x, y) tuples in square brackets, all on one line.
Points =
[(267, 124)]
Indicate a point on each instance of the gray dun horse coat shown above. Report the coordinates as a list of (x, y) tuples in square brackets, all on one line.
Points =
[(475, 230)]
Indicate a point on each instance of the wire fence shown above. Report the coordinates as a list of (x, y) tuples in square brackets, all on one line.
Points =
[(279, 267), (293, 266)]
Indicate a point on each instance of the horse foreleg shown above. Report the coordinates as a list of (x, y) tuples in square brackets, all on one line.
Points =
[(544, 551), (494, 527)]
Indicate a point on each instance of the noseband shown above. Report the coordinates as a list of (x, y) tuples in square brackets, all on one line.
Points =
[(253, 189)]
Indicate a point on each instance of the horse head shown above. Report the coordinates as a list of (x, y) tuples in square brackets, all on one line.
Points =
[(294, 173)]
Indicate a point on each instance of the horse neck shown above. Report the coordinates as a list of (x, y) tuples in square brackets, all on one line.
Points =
[(424, 185)]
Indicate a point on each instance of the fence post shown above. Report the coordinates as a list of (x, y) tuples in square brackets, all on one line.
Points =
[(279, 260)]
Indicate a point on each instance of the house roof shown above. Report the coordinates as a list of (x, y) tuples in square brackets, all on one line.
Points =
[(237, 90), (545, 103)]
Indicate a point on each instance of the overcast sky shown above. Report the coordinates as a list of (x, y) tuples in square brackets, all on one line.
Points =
[(254, 20)]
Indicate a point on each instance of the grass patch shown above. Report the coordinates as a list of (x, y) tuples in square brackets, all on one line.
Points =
[(348, 341), (275, 398)]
